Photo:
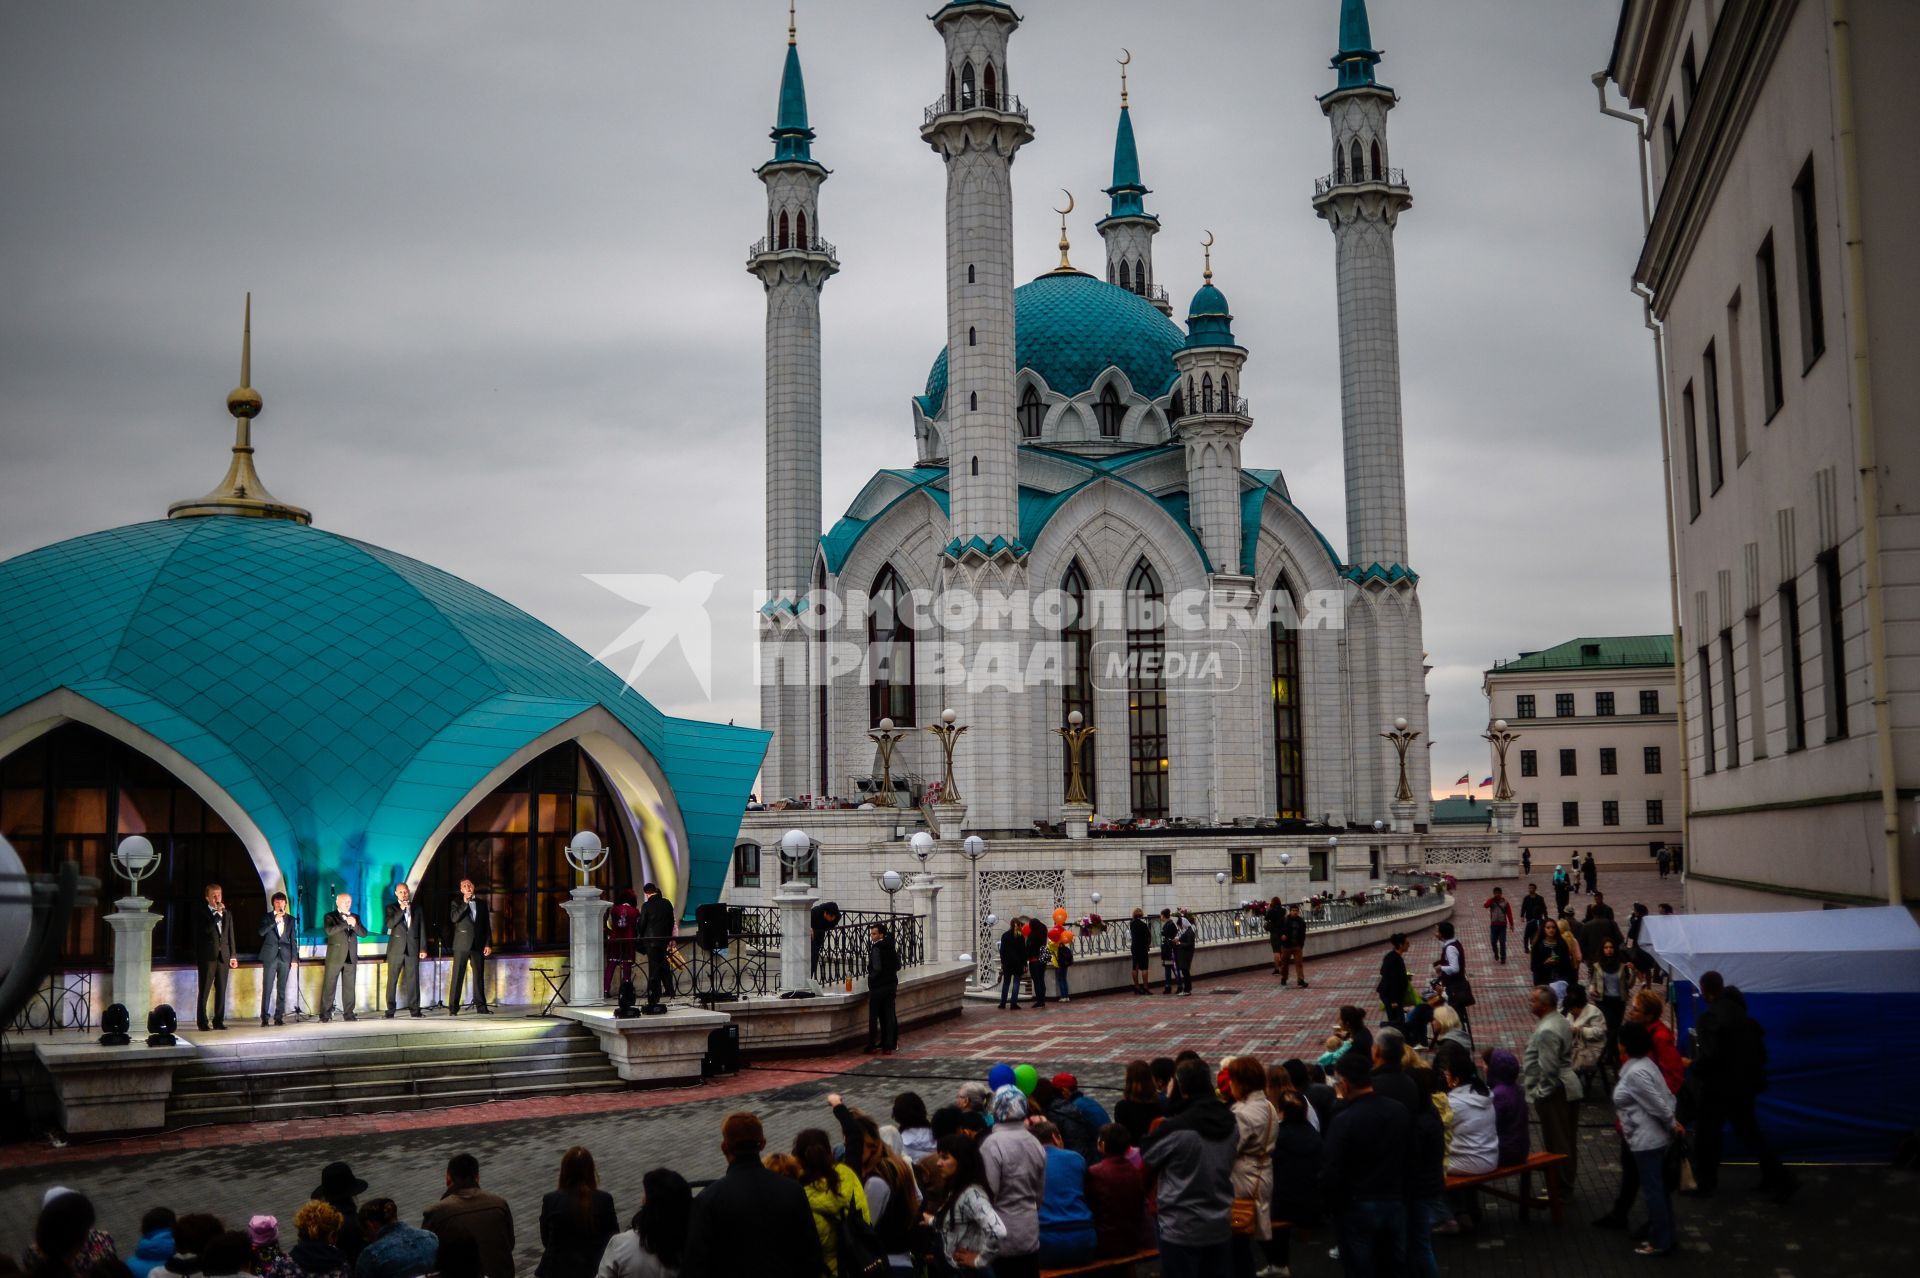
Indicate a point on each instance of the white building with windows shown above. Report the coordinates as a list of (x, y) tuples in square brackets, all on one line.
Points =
[(1076, 448), (1784, 286), (1595, 768)]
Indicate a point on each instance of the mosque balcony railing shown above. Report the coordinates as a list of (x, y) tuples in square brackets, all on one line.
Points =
[(1241, 923), (1388, 177), (1005, 103), (767, 245)]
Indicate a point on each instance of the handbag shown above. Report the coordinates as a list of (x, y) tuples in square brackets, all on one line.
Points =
[(858, 1247), (1246, 1217)]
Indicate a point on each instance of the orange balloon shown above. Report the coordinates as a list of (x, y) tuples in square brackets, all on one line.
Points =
[(1059, 914), (1066, 937)]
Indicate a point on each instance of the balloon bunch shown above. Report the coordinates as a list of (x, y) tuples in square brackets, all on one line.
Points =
[(1024, 1077)]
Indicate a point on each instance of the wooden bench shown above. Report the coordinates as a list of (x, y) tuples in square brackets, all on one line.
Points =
[(1542, 1162), (1114, 1265)]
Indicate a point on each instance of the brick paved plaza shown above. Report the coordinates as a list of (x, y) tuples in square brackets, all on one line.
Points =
[(1845, 1220)]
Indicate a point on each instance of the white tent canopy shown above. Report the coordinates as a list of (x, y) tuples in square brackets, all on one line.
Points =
[(1863, 951)]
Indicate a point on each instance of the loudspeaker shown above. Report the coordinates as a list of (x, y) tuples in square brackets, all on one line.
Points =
[(715, 924), (723, 1052)]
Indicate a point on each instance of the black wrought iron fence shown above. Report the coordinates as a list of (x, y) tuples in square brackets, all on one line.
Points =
[(841, 953), (1111, 936), (749, 963)]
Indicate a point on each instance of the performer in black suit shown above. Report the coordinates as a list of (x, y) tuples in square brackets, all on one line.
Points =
[(472, 930), (279, 951), (656, 931), (218, 953), (406, 946), (344, 930)]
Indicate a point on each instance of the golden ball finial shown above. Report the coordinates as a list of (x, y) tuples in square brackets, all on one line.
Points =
[(244, 401)]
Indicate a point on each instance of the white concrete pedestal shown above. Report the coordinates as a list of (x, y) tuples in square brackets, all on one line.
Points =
[(651, 1049), (586, 946), (949, 820), (795, 902), (923, 901), (132, 985), (1076, 817), (1403, 817)]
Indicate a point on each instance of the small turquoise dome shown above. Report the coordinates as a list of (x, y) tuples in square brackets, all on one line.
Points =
[(345, 697), (1209, 322), (1070, 327)]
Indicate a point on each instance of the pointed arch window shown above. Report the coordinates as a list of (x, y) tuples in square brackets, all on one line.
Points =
[(1376, 161), (973, 401), (1289, 732), (1175, 409), (952, 97), (1339, 161), (1226, 393), (1354, 163), (889, 650), (784, 229), (991, 85), (1126, 275), (1140, 278), (1032, 413), (1109, 411), (1076, 682), (1206, 392), (973, 336), (966, 86), (800, 231), (1147, 761)]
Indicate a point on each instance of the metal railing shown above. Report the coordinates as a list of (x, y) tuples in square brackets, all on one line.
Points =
[(750, 962), (63, 1001), (1241, 924), (842, 953), (766, 244), (1389, 177), (1006, 103)]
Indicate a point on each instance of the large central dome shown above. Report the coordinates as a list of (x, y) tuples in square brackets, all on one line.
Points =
[(1070, 327)]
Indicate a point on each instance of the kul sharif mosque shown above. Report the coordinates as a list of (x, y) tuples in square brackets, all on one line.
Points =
[(1074, 436)]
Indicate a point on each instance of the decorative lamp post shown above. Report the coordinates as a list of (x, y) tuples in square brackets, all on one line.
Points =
[(1402, 737), (886, 736), (949, 734), (891, 881), (1075, 734), (973, 847), (1501, 739), (133, 923), (586, 922), (795, 903)]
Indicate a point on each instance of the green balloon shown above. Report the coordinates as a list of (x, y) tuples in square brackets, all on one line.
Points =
[(1026, 1078)]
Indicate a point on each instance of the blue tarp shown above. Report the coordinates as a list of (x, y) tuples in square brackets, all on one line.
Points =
[(1839, 994)]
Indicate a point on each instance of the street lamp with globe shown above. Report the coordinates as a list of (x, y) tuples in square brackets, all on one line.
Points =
[(135, 859), (586, 853)]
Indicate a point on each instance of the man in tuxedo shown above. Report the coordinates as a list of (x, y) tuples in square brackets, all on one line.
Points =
[(279, 951), (656, 931), (218, 954), (472, 931), (344, 930), (406, 946)]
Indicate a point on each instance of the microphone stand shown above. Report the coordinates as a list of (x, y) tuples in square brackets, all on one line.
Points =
[(298, 1015)]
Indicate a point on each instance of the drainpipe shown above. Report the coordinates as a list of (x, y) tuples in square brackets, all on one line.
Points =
[(1666, 474), (1854, 239)]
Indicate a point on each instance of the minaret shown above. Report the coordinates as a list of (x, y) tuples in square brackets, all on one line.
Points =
[(241, 492), (1128, 228), (793, 262), (1361, 200), (976, 128), (1212, 421)]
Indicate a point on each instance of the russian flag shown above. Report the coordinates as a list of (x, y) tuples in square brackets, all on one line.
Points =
[(1485, 784)]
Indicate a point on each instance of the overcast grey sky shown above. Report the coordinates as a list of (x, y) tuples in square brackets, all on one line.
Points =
[(501, 321)]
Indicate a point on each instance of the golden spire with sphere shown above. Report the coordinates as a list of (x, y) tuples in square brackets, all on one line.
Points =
[(241, 492)]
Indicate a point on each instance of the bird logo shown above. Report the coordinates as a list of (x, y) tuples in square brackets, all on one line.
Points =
[(674, 609)]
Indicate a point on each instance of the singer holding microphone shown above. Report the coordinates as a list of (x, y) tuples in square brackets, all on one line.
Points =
[(344, 931), (406, 946), (472, 944), (279, 951)]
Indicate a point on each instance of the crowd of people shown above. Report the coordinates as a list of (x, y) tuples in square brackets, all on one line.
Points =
[(1216, 1168)]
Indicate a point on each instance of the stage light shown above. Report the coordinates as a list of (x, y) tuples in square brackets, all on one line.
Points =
[(161, 1022), (115, 1021)]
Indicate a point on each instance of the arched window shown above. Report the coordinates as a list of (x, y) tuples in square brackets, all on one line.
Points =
[(1289, 734), (1339, 161), (1076, 679), (1206, 392), (783, 229), (966, 87), (973, 401), (800, 231), (953, 99), (991, 84), (1353, 162), (889, 650), (1108, 411), (969, 272), (1193, 401), (1226, 393), (1032, 413), (1140, 278), (973, 337), (1376, 161), (976, 465), (1126, 279), (1146, 692), (1174, 411)]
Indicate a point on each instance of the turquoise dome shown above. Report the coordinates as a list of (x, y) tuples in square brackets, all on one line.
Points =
[(1209, 322), (1070, 327), (347, 698)]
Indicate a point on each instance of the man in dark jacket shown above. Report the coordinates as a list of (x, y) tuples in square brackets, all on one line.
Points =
[(883, 984), (1389, 1075), (751, 1220), (475, 1228), (406, 946), (1192, 1155), (656, 934), (1037, 961), (1533, 912), (1013, 964), (1363, 1173), (821, 920), (218, 954), (1394, 981), (472, 923), (344, 930), (1293, 931), (1728, 1074), (279, 948)]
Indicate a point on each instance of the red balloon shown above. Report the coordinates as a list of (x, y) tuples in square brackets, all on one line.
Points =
[(1055, 933)]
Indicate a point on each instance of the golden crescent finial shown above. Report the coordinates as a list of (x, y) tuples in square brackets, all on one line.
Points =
[(1206, 247), (1125, 59), (1069, 194), (792, 29), (1065, 265)]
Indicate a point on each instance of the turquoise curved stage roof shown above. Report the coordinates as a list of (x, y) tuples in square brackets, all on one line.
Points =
[(345, 696), (1070, 328)]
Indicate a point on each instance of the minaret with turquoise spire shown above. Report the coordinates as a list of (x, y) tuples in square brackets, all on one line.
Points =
[(794, 263), (1128, 228), (1213, 420)]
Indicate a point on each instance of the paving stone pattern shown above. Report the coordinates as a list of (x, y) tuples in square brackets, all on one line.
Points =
[(1845, 1220)]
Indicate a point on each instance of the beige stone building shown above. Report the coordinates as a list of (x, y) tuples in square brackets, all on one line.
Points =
[(1596, 766), (1783, 287)]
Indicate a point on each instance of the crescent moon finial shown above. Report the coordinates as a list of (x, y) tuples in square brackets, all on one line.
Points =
[(1069, 194), (1065, 265), (1125, 59), (1206, 247)]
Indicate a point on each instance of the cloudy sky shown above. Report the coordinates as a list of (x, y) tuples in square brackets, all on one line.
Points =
[(501, 322)]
